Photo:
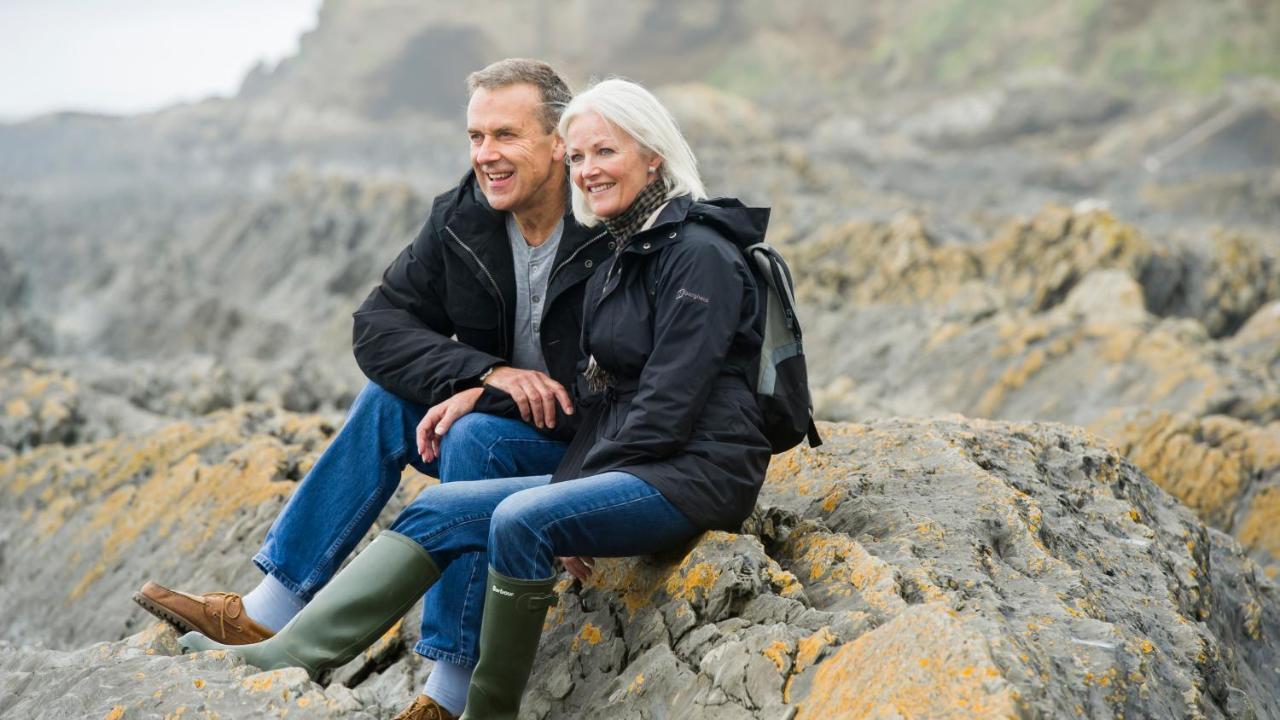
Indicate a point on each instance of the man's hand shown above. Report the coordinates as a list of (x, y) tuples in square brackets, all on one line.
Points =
[(579, 567), (535, 393), (440, 418)]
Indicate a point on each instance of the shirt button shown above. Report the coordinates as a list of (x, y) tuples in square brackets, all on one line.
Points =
[(534, 266), (646, 246), (536, 298), (613, 245), (589, 264), (672, 235)]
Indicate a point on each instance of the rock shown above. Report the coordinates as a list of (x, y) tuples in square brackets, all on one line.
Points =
[(1034, 103), (711, 117), (1062, 317), (139, 677), (24, 332), (37, 405), (1034, 263), (84, 526), (1255, 343), (1226, 470), (907, 568), (1226, 283)]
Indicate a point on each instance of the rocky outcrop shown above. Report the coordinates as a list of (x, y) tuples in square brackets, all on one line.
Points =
[(1226, 470), (1070, 316), (36, 407), (957, 568)]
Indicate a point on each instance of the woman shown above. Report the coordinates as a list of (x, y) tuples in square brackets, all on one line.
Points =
[(670, 444)]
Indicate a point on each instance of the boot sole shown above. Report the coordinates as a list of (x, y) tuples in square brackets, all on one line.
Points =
[(164, 613)]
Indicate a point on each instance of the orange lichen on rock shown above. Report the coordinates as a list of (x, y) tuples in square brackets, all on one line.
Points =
[(780, 654), (925, 663), (842, 566), (120, 490), (589, 634), (810, 648)]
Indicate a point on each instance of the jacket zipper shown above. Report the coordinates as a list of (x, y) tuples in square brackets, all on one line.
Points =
[(502, 304)]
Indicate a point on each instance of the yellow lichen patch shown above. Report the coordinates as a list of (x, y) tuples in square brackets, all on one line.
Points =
[(922, 664), (17, 408), (842, 566), (833, 498), (810, 648), (784, 583), (198, 683), (694, 582), (636, 684), (589, 634), (115, 713), (88, 579), (630, 580), (120, 489), (779, 653), (261, 682), (1260, 527), (54, 514)]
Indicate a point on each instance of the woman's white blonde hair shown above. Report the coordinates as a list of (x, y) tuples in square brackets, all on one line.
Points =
[(635, 111)]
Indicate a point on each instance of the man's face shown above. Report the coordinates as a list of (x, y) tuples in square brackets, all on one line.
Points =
[(517, 161)]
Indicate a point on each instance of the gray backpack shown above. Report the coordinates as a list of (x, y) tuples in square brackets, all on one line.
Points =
[(781, 378)]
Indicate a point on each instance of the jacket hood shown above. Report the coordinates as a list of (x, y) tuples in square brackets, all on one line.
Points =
[(743, 226)]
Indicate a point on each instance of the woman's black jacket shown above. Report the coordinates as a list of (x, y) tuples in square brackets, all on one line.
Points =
[(674, 320)]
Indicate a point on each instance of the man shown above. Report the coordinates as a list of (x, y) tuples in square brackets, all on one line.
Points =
[(500, 266)]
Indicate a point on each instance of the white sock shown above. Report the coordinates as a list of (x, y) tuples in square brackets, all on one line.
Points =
[(447, 685), (271, 604)]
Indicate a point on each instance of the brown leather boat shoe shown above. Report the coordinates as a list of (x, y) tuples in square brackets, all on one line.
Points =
[(424, 708), (219, 616)]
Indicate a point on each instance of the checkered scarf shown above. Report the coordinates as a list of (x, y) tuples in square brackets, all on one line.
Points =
[(623, 226)]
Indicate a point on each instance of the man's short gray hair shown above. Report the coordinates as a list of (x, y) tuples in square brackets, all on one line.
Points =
[(516, 71), (635, 111)]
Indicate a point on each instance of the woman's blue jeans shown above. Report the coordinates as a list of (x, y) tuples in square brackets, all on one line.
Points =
[(527, 523), (339, 499)]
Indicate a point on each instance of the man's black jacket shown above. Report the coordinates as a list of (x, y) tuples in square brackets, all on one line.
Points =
[(445, 309)]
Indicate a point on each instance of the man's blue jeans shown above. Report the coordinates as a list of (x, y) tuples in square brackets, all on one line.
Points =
[(338, 500), (526, 523)]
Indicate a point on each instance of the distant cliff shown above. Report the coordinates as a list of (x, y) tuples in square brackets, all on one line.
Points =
[(385, 57)]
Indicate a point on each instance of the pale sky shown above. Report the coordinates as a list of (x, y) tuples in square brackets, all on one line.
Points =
[(129, 56)]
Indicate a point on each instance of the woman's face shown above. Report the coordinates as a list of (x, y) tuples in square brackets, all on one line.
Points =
[(607, 164)]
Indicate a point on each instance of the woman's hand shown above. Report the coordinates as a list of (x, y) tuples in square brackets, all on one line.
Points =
[(440, 418), (578, 567)]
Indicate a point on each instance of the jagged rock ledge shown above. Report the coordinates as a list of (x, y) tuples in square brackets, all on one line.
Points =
[(940, 568)]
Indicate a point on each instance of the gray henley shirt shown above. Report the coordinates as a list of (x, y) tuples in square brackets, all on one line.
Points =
[(533, 271)]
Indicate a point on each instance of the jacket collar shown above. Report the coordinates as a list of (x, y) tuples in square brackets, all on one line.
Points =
[(471, 216), (741, 225)]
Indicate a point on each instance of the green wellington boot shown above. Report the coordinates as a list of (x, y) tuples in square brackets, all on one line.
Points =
[(361, 603), (513, 614)]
